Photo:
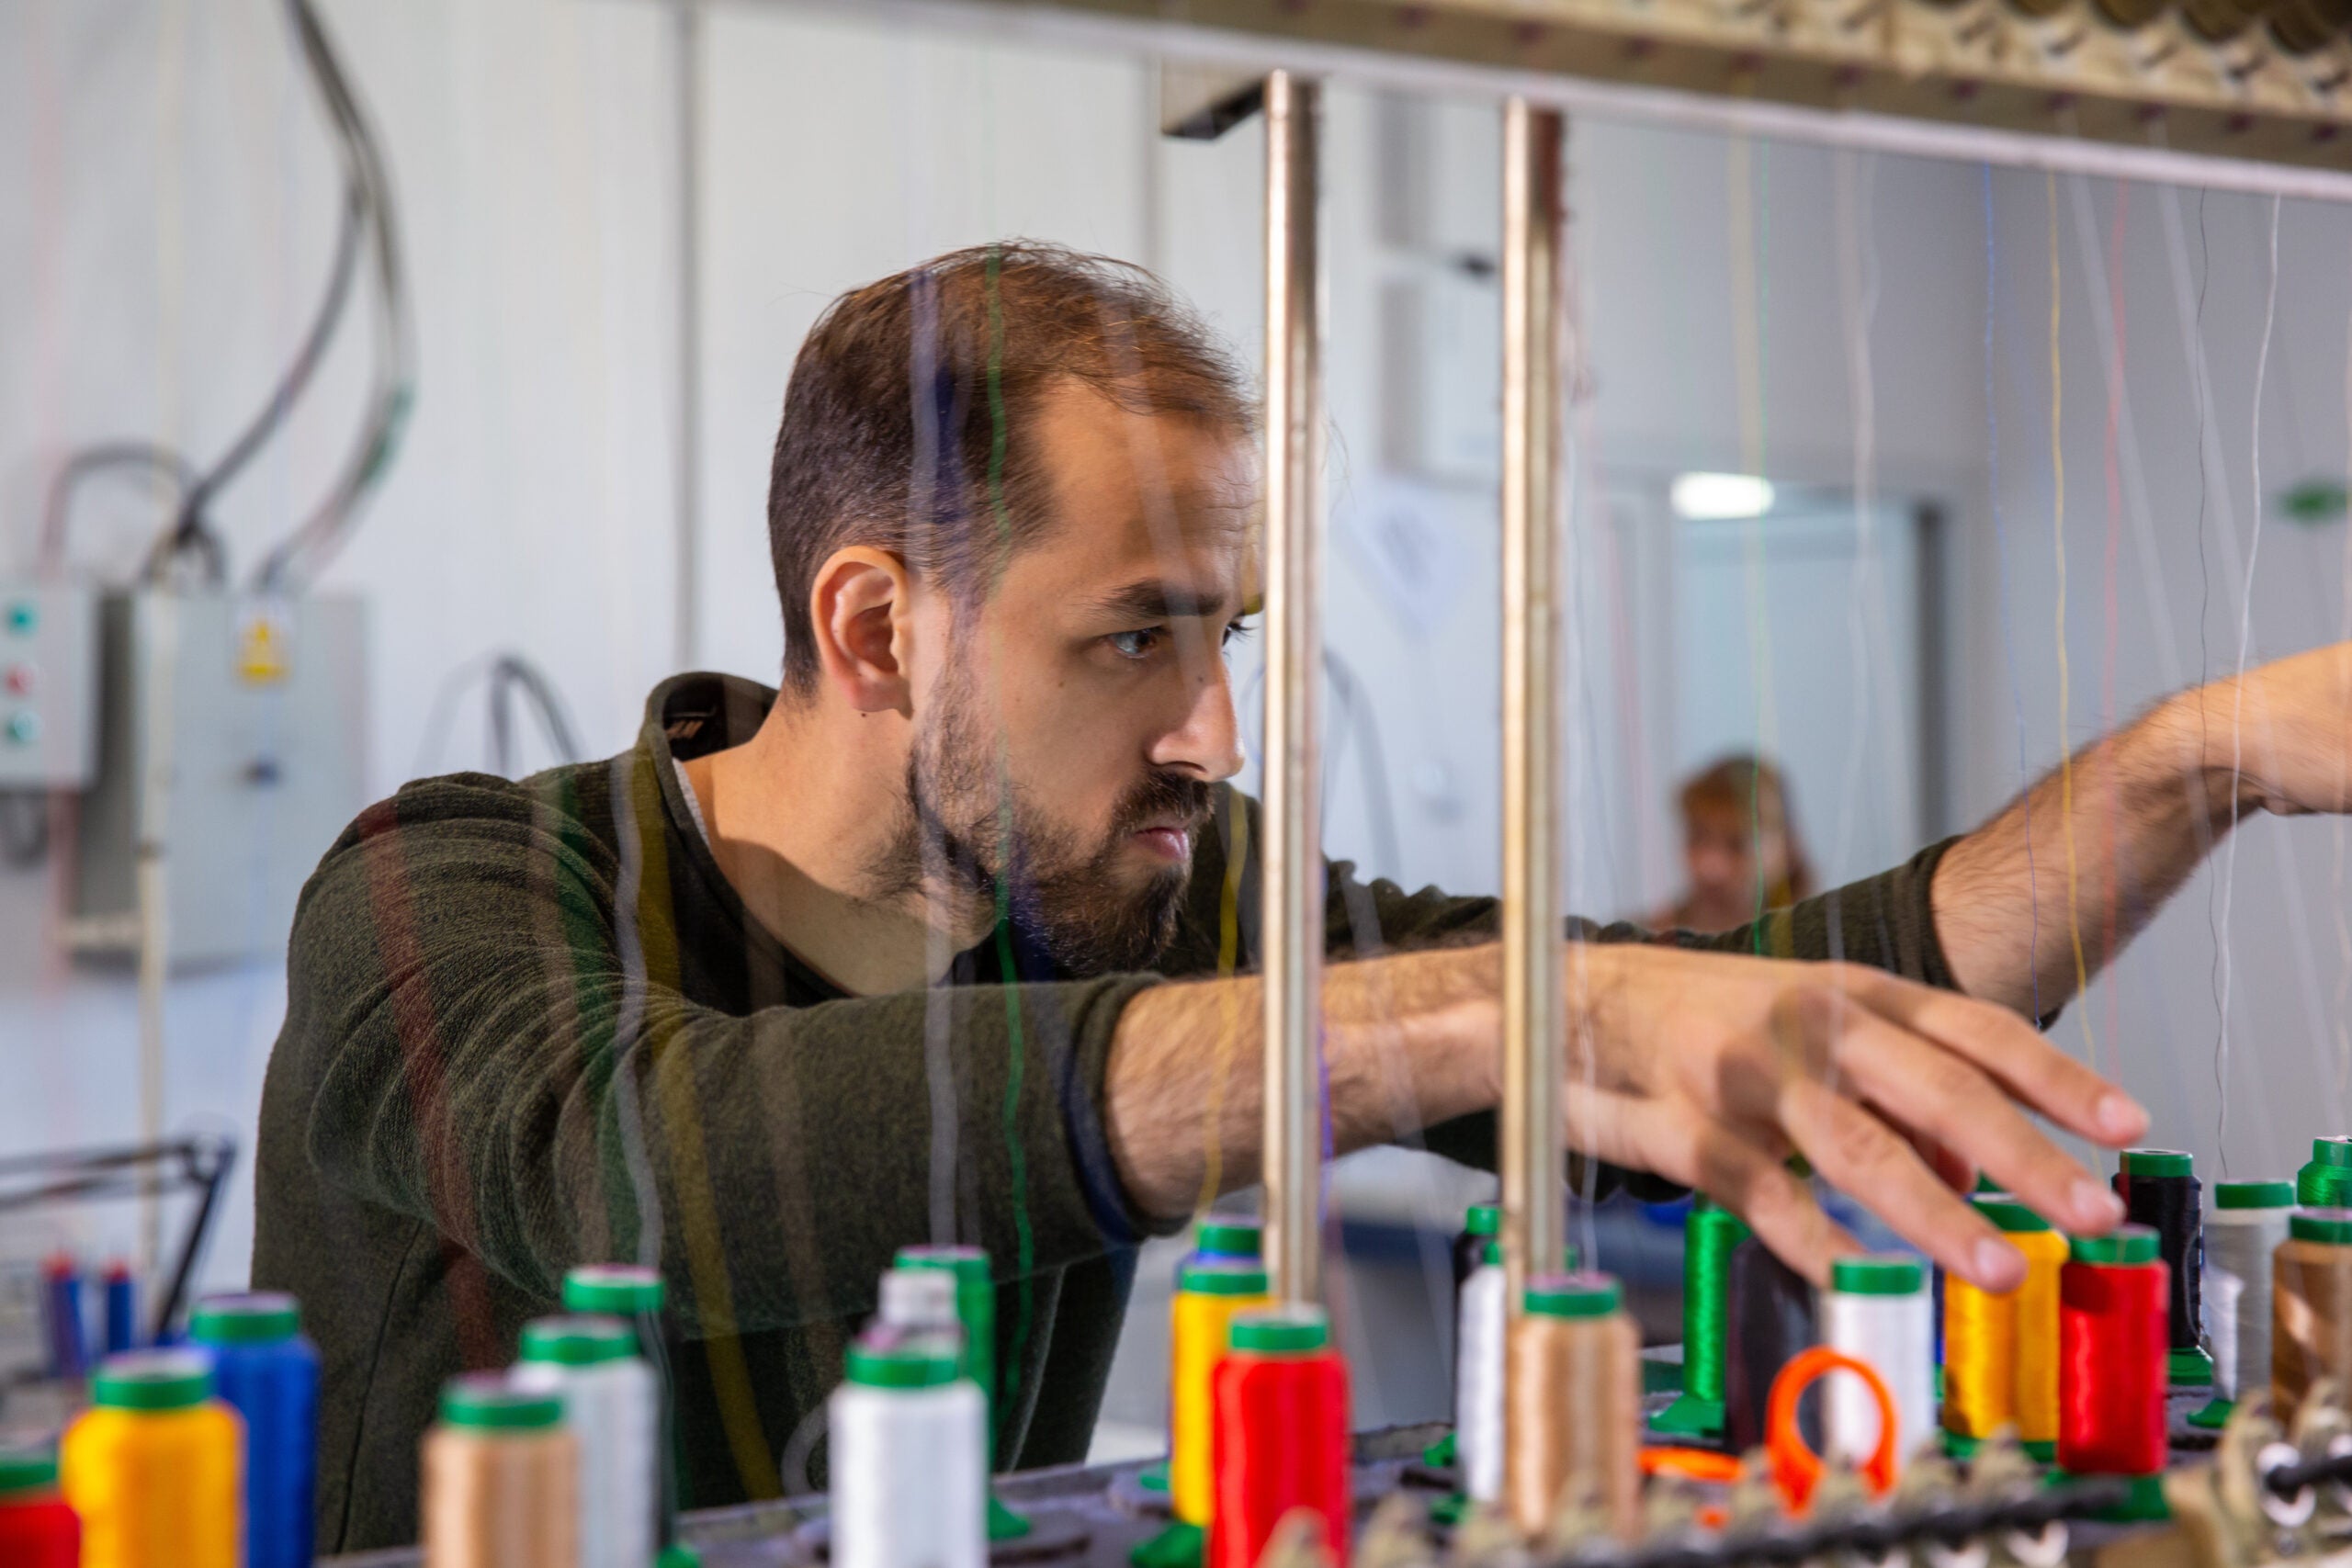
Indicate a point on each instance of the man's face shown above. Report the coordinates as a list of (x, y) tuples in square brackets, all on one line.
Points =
[(1068, 728)]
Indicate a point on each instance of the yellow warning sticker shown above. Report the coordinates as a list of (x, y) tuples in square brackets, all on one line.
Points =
[(262, 646)]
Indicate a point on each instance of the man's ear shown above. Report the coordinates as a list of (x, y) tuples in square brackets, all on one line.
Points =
[(861, 611)]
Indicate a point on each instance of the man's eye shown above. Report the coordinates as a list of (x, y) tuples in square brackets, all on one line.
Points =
[(1133, 645), (1238, 631)]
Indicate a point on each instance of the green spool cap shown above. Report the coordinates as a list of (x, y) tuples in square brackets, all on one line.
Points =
[(1228, 1236), (259, 1317), (1222, 1277), (27, 1470), (1492, 1252), (622, 1289), (1884, 1274), (1573, 1295), (2013, 1217), (922, 1361), (1484, 1218), (2335, 1152), (2254, 1195), (1985, 1183), (2157, 1162), (968, 1264), (579, 1340), (153, 1380), (2123, 1245), (486, 1401), (1281, 1331), (2330, 1226)]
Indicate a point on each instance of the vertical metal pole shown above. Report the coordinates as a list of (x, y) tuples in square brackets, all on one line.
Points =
[(1292, 855), (1535, 1048), (687, 600)]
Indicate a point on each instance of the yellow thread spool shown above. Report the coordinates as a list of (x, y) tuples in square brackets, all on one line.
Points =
[(2035, 1396), (1209, 1292), (156, 1468)]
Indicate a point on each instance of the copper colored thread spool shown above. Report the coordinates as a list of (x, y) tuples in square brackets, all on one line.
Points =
[(2131, 13), (2311, 1306), (1572, 1412), (500, 1475), (2219, 21), (2302, 26)]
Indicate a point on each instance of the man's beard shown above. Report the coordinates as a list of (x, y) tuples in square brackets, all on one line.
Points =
[(966, 825)]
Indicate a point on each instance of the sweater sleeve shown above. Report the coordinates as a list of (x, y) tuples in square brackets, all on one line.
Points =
[(496, 1043)]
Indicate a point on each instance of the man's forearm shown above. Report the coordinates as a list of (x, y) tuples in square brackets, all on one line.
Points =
[(1409, 1040), (2041, 897)]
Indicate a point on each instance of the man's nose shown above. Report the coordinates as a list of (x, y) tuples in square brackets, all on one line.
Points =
[(1208, 743)]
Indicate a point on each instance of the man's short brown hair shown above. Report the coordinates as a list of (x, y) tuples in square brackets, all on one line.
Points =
[(906, 420)]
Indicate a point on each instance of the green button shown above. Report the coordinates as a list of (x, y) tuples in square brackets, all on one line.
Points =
[(24, 617), (24, 727)]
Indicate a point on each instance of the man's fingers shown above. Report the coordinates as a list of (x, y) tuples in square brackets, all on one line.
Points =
[(2028, 1067), (1859, 1154), (1941, 1094)]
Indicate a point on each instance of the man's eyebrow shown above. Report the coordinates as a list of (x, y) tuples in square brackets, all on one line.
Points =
[(1156, 599)]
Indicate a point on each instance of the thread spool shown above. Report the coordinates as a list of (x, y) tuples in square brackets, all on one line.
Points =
[(2325, 1180), (2160, 1189), (268, 1374), (976, 1308), (909, 1465), (62, 1321), (1481, 1223), (2248, 1222), (156, 1467), (2033, 1312), (1210, 1293), (2301, 26), (36, 1529), (501, 1476), (1769, 1322), (2311, 1307), (2113, 1337), (611, 1405), (1877, 1311), (918, 1301), (121, 1309), (1228, 1235), (1279, 1401), (1574, 1401), (1710, 1233), (1478, 1364), (636, 1294)]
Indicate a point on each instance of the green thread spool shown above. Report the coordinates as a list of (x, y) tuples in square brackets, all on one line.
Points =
[(2325, 1181), (1708, 1236)]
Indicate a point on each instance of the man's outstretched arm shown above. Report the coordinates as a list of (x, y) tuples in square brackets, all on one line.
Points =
[(2038, 899)]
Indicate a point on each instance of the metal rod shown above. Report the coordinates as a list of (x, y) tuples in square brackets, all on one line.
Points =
[(686, 591), (1534, 1053), (1218, 47), (1292, 855)]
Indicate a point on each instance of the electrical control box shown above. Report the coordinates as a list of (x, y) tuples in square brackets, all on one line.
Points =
[(48, 685), (231, 752)]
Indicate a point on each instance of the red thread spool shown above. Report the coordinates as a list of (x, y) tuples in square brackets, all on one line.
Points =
[(1279, 1433), (36, 1529), (2113, 1344)]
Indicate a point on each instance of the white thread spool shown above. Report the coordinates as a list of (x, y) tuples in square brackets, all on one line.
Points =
[(919, 1300), (1877, 1309), (910, 1457), (612, 1404), (1478, 1380), (2248, 1222)]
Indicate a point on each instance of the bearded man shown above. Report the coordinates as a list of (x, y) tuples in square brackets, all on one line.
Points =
[(950, 939)]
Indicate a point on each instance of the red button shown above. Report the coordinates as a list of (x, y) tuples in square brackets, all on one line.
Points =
[(20, 680)]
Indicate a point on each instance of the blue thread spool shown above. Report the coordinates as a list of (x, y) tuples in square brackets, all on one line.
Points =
[(269, 1374), (69, 1337), (122, 1310)]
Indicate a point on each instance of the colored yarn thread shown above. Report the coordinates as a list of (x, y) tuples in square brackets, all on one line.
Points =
[(268, 1373), (2160, 1189), (909, 1467), (2248, 1222), (1210, 1294), (121, 1309), (2325, 1180), (69, 1337), (2113, 1335), (1574, 1393), (636, 1294), (1876, 1312), (1980, 1359), (612, 1406), (2310, 1323), (1710, 1232), (36, 1529), (156, 1467), (1279, 1407), (2033, 1306), (1771, 1323), (1478, 1369), (501, 1478)]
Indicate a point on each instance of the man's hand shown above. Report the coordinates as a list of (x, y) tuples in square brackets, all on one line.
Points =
[(1712, 1070), (2281, 737)]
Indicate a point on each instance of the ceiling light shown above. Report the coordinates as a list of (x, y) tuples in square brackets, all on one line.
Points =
[(1700, 498)]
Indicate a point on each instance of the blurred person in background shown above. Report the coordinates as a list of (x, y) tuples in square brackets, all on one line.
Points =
[(1740, 844)]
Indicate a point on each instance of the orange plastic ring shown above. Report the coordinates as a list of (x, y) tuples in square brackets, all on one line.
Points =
[(1796, 1469)]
